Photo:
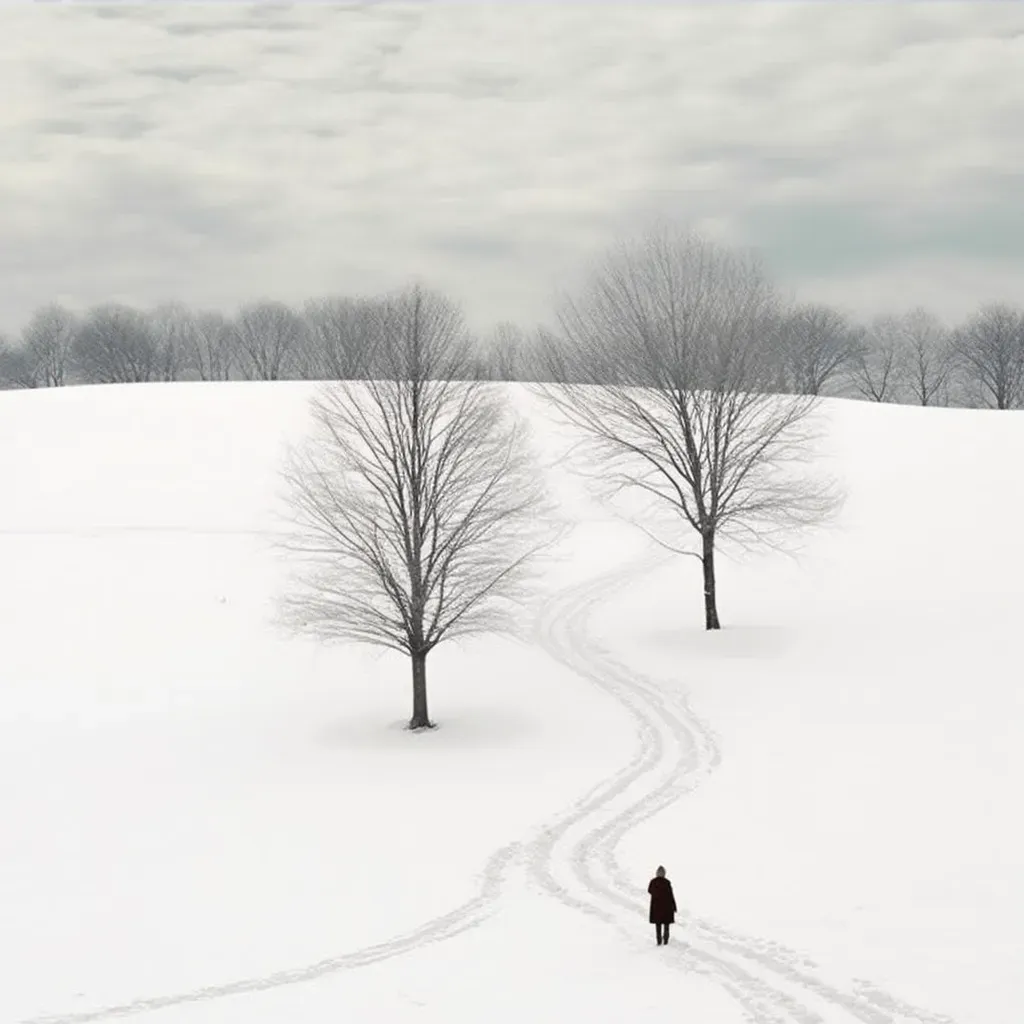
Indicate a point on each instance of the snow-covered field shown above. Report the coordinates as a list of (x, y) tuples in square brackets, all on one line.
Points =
[(212, 822)]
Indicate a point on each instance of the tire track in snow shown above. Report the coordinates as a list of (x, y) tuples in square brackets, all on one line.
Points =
[(596, 885), (564, 618), (469, 915), (767, 978)]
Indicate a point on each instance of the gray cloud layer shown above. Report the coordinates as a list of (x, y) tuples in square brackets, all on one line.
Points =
[(217, 153)]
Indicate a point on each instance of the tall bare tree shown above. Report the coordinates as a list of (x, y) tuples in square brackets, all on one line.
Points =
[(116, 344), (666, 374), (47, 339), (415, 507), (267, 335), (990, 355), (819, 344), (927, 355), (878, 370)]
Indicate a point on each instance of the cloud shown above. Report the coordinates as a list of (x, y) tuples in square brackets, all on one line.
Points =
[(184, 73), (121, 125), (222, 153)]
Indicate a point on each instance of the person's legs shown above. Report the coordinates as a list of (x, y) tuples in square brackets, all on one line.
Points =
[(664, 940), (657, 931)]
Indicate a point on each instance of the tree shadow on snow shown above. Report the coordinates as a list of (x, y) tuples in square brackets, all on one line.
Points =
[(754, 642), (469, 730)]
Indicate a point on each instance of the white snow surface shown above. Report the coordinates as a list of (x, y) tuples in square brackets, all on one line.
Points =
[(206, 821)]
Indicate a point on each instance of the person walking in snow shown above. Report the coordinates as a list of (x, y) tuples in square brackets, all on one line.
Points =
[(663, 905)]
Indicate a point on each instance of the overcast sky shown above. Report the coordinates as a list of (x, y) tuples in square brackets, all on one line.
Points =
[(215, 154)]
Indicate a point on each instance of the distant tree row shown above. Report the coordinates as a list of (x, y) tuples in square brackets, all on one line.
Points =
[(814, 349), (115, 343), (910, 358)]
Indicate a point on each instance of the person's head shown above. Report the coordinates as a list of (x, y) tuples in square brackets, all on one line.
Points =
[(661, 872)]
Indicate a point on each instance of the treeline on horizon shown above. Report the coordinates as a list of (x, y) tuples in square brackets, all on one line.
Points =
[(909, 358)]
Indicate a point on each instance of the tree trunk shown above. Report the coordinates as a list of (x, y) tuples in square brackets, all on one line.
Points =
[(710, 600), (420, 719)]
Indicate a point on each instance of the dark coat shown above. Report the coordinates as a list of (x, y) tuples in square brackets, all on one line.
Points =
[(663, 901)]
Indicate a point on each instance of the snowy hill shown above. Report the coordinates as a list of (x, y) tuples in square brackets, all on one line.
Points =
[(206, 818)]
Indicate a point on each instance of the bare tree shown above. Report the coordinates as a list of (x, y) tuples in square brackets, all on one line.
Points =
[(209, 345), (878, 368), (17, 368), (339, 333), (171, 324), (515, 354), (116, 344), (552, 359), (478, 365), (415, 505), (819, 345), (927, 355), (990, 355), (47, 339), (666, 373), (267, 335), (505, 351)]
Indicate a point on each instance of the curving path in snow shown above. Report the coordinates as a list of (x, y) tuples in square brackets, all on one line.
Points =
[(576, 862), (574, 857)]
